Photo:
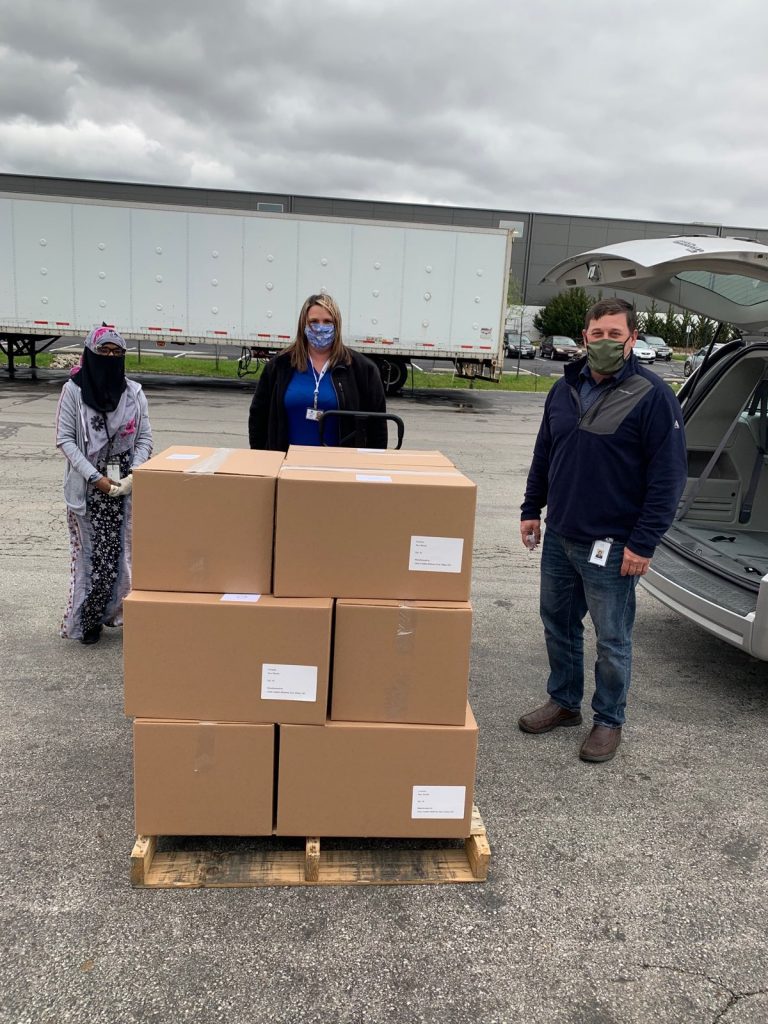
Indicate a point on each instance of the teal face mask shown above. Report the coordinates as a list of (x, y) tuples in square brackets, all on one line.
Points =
[(606, 356)]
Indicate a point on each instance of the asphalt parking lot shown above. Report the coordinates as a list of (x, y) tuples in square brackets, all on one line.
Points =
[(633, 892), (672, 370)]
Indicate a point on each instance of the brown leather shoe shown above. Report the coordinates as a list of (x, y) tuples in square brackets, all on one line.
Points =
[(547, 717), (601, 744)]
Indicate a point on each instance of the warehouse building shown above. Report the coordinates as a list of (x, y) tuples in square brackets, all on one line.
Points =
[(541, 239)]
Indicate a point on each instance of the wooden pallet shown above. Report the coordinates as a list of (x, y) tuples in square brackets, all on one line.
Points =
[(151, 869)]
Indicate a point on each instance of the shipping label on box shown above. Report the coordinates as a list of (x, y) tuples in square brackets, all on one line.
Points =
[(436, 554), (289, 682), (439, 802)]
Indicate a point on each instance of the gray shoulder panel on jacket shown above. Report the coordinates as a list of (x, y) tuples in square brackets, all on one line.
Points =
[(607, 414)]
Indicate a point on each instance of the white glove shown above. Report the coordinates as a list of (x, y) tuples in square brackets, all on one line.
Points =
[(124, 487)]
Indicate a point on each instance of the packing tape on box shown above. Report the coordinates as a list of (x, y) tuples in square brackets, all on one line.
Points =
[(204, 757), (213, 463), (406, 628), (400, 689), (381, 469)]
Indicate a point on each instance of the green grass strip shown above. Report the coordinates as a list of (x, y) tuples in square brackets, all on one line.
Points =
[(227, 370)]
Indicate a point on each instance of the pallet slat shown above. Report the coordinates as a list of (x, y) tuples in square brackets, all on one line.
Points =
[(313, 866), (312, 861), (141, 858)]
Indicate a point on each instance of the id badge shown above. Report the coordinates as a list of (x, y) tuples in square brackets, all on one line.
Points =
[(599, 553), (113, 469), (313, 414)]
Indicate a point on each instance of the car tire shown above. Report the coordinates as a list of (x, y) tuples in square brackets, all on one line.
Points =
[(687, 370)]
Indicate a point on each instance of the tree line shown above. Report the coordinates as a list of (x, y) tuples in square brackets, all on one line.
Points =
[(564, 314)]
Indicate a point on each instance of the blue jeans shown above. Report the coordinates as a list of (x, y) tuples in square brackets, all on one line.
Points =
[(571, 586)]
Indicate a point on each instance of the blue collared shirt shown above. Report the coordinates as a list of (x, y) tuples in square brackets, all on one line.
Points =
[(590, 390), (299, 397)]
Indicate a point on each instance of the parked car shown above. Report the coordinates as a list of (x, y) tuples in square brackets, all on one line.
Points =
[(644, 352), (712, 564), (660, 347), (557, 346), (518, 344), (694, 361)]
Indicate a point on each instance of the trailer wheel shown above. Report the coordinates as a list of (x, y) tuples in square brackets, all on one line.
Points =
[(243, 362), (394, 373), (249, 362)]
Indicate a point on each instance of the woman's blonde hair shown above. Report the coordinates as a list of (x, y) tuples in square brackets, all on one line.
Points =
[(298, 348)]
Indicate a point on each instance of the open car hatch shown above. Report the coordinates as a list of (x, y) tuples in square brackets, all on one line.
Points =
[(722, 278), (712, 564)]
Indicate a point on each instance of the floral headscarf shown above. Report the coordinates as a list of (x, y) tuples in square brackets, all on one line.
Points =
[(111, 408)]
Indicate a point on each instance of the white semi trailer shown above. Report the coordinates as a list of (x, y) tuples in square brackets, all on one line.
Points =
[(190, 275)]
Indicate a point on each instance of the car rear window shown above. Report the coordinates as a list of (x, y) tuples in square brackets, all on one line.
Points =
[(744, 291)]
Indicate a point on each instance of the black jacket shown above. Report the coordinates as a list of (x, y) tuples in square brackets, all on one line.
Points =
[(358, 388)]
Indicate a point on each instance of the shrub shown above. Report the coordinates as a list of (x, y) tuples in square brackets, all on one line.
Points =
[(564, 314)]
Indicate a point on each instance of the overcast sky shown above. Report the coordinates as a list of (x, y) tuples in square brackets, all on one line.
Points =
[(627, 108)]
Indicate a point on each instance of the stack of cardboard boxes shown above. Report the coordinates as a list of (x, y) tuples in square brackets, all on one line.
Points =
[(322, 691)]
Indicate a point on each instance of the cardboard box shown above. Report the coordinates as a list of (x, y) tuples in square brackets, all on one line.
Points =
[(401, 662), (386, 533), (203, 520), (367, 779), (227, 657), (203, 778), (306, 455)]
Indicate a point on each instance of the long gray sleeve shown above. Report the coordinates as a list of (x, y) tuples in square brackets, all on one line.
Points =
[(67, 434), (143, 446)]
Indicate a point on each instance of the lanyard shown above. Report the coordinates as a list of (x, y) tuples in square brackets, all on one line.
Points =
[(318, 377)]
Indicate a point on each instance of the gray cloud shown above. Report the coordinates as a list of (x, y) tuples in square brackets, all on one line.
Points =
[(24, 93), (651, 110)]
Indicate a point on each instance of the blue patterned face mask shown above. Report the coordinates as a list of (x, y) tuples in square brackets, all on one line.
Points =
[(320, 335)]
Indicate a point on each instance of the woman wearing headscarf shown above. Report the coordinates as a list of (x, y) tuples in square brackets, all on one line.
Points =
[(315, 374), (103, 429)]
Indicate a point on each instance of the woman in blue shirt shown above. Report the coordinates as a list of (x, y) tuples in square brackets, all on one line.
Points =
[(316, 373)]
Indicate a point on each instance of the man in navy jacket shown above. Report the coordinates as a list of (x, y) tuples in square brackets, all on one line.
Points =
[(610, 466)]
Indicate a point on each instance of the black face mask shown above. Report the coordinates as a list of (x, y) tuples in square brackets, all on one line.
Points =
[(102, 380)]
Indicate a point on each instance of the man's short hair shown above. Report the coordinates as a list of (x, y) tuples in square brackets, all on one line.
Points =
[(607, 307)]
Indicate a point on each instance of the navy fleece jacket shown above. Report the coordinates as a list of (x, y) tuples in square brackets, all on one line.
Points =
[(616, 471)]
